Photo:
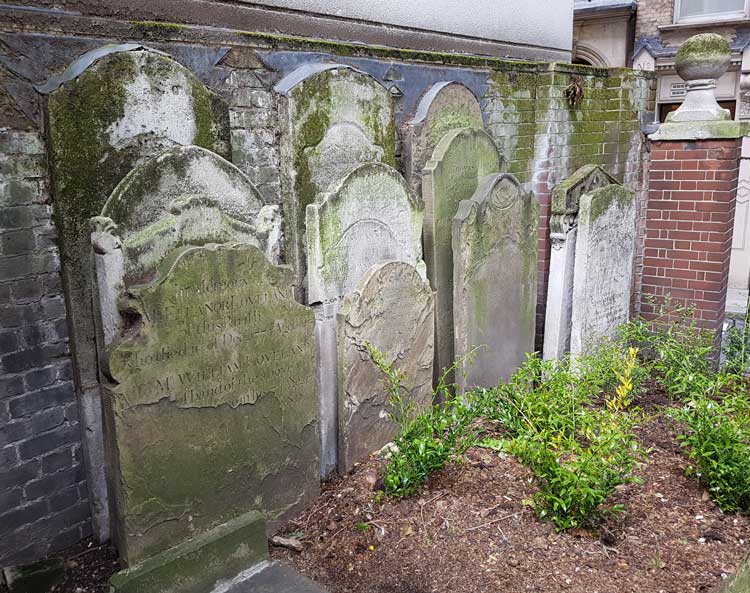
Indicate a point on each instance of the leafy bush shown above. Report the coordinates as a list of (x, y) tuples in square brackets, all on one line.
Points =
[(426, 441), (718, 443)]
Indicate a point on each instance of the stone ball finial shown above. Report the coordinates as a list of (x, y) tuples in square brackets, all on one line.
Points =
[(704, 56), (700, 61)]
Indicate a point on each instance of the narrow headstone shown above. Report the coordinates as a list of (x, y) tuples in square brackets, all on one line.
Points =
[(566, 199), (445, 106), (604, 261), (495, 279), (369, 217), (392, 310), (333, 118), (459, 162)]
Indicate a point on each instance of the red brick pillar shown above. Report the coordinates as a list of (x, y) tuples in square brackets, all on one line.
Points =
[(692, 185)]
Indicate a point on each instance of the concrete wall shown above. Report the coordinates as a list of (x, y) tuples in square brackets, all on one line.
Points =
[(544, 24)]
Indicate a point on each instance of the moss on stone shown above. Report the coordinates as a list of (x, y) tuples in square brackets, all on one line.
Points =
[(702, 46)]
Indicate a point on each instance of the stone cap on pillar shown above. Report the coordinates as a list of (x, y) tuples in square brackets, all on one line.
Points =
[(700, 61)]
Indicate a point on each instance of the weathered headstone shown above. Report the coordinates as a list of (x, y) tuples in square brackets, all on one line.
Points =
[(445, 106), (566, 199), (210, 373), (494, 279), (460, 160), (333, 118), (603, 270), (111, 108), (392, 310), (369, 217)]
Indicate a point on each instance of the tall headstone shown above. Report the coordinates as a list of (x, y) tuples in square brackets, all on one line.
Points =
[(210, 368), (333, 118), (566, 198), (368, 217), (392, 309), (494, 279), (459, 162), (111, 108), (604, 262), (445, 106)]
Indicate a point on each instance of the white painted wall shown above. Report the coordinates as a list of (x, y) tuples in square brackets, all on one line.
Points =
[(540, 23)]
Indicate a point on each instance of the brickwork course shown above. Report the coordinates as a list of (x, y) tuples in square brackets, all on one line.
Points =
[(691, 195), (44, 499), (43, 495)]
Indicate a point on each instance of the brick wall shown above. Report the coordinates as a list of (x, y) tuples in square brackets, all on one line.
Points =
[(650, 15), (43, 495), (691, 194)]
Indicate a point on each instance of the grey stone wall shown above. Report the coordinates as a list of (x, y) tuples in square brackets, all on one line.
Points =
[(43, 496)]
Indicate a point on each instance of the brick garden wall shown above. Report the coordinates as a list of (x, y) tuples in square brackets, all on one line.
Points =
[(691, 194), (43, 494)]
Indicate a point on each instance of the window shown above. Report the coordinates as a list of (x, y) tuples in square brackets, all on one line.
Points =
[(706, 10)]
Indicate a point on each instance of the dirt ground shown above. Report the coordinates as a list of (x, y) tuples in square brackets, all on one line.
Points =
[(469, 531)]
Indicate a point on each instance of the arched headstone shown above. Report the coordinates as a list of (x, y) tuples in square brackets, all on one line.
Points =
[(333, 118), (459, 162), (445, 106), (112, 108), (210, 367), (495, 279), (368, 217)]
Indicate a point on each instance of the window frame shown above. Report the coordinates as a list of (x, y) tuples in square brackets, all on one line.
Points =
[(709, 18)]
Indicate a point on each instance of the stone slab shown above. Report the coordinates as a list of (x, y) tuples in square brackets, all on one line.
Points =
[(445, 106), (368, 217), (462, 158), (392, 310), (197, 564), (604, 263), (272, 577), (494, 280), (566, 198), (212, 406), (333, 118)]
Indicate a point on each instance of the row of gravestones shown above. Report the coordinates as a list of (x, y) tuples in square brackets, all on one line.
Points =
[(232, 381)]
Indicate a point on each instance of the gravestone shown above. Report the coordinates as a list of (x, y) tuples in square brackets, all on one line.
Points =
[(368, 217), (494, 279), (459, 162), (564, 217), (333, 118), (603, 270), (212, 406), (392, 310), (445, 106), (110, 109)]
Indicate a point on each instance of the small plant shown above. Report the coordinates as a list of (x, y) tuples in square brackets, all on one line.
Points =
[(574, 91), (429, 440), (363, 527), (737, 348), (718, 443), (624, 391)]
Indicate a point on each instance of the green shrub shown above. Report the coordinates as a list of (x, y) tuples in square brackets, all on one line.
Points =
[(429, 440), (718, 444)]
